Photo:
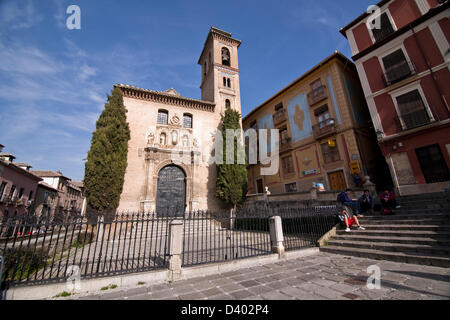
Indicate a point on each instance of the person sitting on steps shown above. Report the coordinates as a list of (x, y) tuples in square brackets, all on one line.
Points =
[(349, 221), (344, 199), (388, 202), (366, 202)]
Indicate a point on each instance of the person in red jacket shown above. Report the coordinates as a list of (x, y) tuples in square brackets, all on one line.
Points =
[(388, 201)]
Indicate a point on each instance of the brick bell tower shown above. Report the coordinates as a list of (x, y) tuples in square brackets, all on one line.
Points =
[(220, 71)]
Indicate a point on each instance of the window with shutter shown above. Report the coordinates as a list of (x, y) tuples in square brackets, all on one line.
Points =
[(385, 29), (412, 109)]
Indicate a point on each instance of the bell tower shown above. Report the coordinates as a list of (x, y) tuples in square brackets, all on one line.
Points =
[(220, 71)]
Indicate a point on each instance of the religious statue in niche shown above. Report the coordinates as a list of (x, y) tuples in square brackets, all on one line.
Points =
[(174, 137), (150, 139), (185, 141), (162, 139)]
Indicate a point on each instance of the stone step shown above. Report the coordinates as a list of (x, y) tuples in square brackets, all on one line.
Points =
[(423, 259), (394, 247), (417, 210), (425, 196), (439, 222), (402, 233), (406, 216), (410, 227), (394, 239)]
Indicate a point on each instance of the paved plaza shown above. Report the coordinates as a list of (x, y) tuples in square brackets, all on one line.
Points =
[(321, 276)]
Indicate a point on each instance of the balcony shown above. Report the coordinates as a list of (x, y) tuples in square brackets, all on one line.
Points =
[(412, 120), (279, 117), (317, 95), (398, 73), (324, 128), (285, 145)]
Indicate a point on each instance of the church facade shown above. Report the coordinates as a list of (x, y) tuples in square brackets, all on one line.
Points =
[(170, 164)]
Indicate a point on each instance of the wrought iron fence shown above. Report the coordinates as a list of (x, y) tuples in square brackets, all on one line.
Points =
[(43, 252), (217, 237), (303, 227), (37, 250)]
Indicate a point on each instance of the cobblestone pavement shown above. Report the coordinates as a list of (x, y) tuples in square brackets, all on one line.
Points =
[(317, 277)]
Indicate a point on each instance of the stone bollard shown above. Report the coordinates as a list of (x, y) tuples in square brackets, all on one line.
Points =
[(175, 249), (276, 235)]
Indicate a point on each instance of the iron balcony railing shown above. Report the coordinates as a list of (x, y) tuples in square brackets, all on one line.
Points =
[(383, 33), (412, 120), (279, 116), (317, 95), (285, 144), (324, 128), (398, 72)]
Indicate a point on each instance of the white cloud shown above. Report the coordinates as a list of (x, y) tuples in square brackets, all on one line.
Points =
[(18, 14)]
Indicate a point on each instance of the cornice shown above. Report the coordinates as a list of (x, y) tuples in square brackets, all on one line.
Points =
[(165, 98)]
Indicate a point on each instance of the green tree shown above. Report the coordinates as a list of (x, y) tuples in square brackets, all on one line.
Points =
[(231, 183), (107, 159)]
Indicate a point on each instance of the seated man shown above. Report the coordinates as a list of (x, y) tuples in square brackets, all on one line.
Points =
[(366, 202), (344, 198), (349, 221), (388, 202)]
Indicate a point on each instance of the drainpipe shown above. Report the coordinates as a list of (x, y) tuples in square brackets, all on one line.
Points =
[(432, 74), (395, 173)]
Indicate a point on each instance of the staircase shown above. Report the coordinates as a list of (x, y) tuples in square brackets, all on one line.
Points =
[(418, 233)]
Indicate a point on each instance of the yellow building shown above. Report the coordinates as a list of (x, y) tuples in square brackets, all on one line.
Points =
[(325, 132)]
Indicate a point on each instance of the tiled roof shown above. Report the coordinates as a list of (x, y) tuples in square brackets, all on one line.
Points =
[(49, 174)]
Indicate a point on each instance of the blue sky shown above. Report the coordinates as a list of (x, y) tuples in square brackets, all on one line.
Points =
[(54, 81)]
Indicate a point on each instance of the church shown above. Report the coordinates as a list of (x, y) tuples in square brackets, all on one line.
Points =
[(164, 124)]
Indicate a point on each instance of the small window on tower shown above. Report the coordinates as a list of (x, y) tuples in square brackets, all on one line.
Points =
[(224, 81), (226, 61), (229, 83), (227, 104)]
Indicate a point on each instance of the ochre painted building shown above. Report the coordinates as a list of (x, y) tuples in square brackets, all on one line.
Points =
[(404, 70), (164, 122), (325, 131)]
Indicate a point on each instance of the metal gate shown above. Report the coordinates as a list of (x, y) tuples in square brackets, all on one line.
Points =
[(171, 192)]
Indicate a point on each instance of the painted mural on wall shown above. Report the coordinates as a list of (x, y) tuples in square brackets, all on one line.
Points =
[(308, 162), (299, 118)]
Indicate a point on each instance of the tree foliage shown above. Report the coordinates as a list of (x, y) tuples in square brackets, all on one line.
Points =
[(107, 158), (231, 183)]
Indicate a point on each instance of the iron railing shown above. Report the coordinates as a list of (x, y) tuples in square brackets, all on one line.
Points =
[(216, 237), (279, 116), (399, 72), (317, 94), (38, 250), (412, 120), (324, 128)]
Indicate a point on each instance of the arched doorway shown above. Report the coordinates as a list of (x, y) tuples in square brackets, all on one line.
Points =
[(171, 192)]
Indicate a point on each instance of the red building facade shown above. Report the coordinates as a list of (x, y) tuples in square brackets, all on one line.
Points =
[(402, 54)]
